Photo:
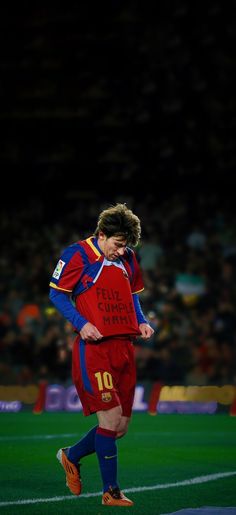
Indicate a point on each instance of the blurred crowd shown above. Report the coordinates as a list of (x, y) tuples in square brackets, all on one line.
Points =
[(188, 258), (120, 101)]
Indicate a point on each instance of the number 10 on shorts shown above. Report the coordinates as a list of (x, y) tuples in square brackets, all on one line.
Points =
[(104, 380)]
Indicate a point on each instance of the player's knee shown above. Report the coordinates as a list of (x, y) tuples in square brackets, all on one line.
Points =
[(123, 428), (110, 419), (117, 422), (121, 433)]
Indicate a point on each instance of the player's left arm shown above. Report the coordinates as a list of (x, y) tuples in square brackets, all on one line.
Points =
[(137, 286), (145, 329)]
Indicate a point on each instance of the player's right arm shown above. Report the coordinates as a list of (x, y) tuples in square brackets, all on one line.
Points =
[(65, 277), (65, 306)]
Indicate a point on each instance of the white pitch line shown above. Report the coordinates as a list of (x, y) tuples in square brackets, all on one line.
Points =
[(36, 437), (16, 438), (187, 482)]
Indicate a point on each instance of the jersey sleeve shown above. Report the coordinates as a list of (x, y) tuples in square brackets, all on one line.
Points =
[(136, 283), (138, 310), (64, 305), (68, 270)]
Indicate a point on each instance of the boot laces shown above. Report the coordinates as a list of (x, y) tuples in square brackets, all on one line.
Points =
[(115, 492)]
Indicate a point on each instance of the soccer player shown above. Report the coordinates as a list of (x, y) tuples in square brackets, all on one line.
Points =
[(95, 286)]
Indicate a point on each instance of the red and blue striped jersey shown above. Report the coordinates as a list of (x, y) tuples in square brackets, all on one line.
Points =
[(80, 264)]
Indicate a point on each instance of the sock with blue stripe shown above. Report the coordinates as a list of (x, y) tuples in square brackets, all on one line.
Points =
[(106, 449), (82, 448)]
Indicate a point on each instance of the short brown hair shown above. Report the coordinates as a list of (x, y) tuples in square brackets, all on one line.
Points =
[(119, 220)]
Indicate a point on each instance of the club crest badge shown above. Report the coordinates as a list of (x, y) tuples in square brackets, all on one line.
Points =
[(106, 397)]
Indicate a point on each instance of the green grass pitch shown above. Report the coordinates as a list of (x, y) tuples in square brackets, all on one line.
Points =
[(158, 458)]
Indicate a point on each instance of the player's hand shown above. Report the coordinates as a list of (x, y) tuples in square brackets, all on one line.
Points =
[(90, 332), (146, 331)]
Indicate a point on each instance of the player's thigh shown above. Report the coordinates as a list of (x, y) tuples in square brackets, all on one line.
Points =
[(127, 384), (93, 378), (110, 419)]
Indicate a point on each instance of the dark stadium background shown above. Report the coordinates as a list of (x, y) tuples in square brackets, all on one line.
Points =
[(139, 94), (116, 101)]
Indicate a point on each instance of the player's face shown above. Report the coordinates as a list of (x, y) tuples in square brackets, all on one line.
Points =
[(113, 248)]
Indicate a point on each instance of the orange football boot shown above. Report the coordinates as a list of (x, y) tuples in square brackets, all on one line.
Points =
[(114, 497), (73, 478)]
